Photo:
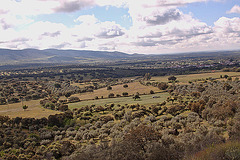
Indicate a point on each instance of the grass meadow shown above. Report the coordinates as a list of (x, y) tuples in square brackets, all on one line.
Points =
[(145, 100), (34, 110), (191, 77), (118, 89)]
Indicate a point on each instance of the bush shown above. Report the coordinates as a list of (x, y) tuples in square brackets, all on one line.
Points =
[(172, 78), (230, 150), (152, 92), (25, 107), (111, 95), (162, 86)]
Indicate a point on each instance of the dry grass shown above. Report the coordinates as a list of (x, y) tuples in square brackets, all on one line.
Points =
[(34, 110), (118, 89), (145, 100), (191, 77)]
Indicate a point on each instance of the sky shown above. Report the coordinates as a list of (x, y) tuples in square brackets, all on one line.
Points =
[(130, 26)]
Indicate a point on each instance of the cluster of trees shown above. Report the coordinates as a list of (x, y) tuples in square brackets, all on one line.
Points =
[(193, 117), (13, 91)]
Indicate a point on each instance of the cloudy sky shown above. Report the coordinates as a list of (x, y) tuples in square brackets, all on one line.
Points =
[(131, 26)]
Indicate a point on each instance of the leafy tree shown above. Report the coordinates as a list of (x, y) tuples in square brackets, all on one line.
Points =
[(162, 86), (147, 76), (125, 94), (111, 95), (172, 78), (68, 94), (109, 88), (125, 85), (225, 76), (136, 97), (140, 136), (25, 107), (57, 85)]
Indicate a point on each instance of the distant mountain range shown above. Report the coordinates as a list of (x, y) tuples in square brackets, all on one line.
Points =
[(55, 56), (8, 56)]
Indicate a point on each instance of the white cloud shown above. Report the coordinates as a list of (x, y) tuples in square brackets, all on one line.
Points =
[(159, 26), (235, 9), (73, 5), (228, 27), (87, 19)]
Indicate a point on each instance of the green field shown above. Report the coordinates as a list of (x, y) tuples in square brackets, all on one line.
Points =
[(145, 100)]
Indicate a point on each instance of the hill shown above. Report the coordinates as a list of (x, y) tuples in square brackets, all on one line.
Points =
[(58, 56)]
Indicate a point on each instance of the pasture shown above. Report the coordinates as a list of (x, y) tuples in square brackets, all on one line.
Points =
[(34, 110), (191, 77), (145, 100), (118, 89)]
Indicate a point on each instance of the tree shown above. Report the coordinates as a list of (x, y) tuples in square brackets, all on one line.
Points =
[(109, 88), (147, 76), (125, 94), (57, 85), (136, 97), (68, 94), (162, 86), (140, 136), (226, 76), (111, 95), (125, 85), (152, 92), (25, 107), (172, 78)]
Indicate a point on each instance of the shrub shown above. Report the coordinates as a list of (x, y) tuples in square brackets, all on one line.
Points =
[(162, 86), (25, 107), (111, 95), (172, 78), (229, 150), (152, 92)]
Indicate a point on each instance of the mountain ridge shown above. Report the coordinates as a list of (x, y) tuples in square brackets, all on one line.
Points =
[(58, 56)]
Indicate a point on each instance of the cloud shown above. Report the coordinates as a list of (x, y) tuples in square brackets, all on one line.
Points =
[(38, 7), (72, 6), (235, 9), (163, 19), (159, 26), (87, 19), (4, 24), (20, 40), (54, 34), (227, 25), (60, 46), (93, 27), (110, 30)]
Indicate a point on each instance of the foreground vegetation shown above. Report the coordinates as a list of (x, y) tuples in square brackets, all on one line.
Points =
[(169, 117)]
